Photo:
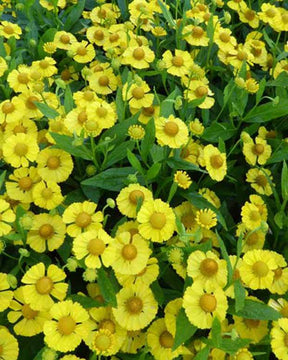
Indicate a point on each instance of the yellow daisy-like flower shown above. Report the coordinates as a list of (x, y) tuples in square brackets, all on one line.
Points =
[(224, 39), (172, 132), (75, 120), (251, 239), (68, 328), (146, 113), (171, 312), (182, 179), (210, 196), (46, 67), (92, 245), (136, 132), (82, 52), (157, 220), (256, 270), (71, 357), (100, 115), (280, 305), (198, 89), (19, 149), (259, 180), (195, 35), (279, 342), (104, 342), (103, 81), (3, 66), (5, 294), (196, 127), (179, 64), (134, 340), (97, 34), (128, 255), (7, 216), (82, 217), (136, 307), (270, 14), (28, 322), (129, 196), (19, 79), (252, 329), (47, 233), (251, 216), (280, 280), (8, 30), (206, 218), (47, 195), (11, 110), (54, 165), (8, 345), (243, 354), (130, 226), (137, 94), (63, 40), (258, 152), (139, 57), (187, 214), (50, 47), (42, 285), (215, 162), (161, 341), (202, 307), (207, 270)]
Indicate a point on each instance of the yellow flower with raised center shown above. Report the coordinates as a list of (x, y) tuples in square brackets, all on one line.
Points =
[(137, 94), (7, 217), (97, 34), (20, 78), (82, 52), (280, 279), (251, 216), (47, 233), (187, 214), (270, 14), (147, 113), (171, 312), (68, 327), (202, 306), (136, 307), (157, 220), (103, 342), (11, 110), (75, 120), (103, 81), (252, 329), (243, 354), (171, 131), (129, 197), (215, 162), (139, 57), (136, 132), (256, 270), (258, 178), (3, 66), (46, 67), (248, 16), (5, 294), (250, 239), (92, 246), (28, 322), (195, 35), (82, 217), (182, 179), (128, 255), (8, 345), (9, 30), (198, 89), (63, 40), (279, 341), (206, 218), (207, 269), (47, 195), (42, 286), (179, 64), (100, 115), (281, 66), (196, 127)]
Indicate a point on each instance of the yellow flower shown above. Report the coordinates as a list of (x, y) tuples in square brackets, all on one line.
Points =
[(139, 57), (251, 216), (21, 126), (136, 132), (104, 342), (179, 64), (279, 341), (196, 127), (146, 113), (128, 255), (172, 132), (47, 233), (259, 181), (224, 39), (54, 165), (100, 115), (46, 67), (215, 162), (207, 270), (187, 214), (129, 196), (243, 354), (5, 294), (63, 40), (159, 31), (19, 149), (97, 35), (134, 340), (270, 14), (8, 30), (71, 357), (248, 16), (11, 110), (251, 328), (8, 345), (157, 220), (210, 196), (42, 286), (3, 66), (280, 280), (92, 245), (47, 195), (103, 81), (256, 270), (68, 328), (202, 307), (49, 47), (182, 179), (137, 95), (206, 218), (198, 89), (136, 307), (19, 79), (251, 239), (82, 217), (280, 305), (195, 35), (171, 312), (7, 216), (75, 120), (82, 51), (28, 322), (281, 66)]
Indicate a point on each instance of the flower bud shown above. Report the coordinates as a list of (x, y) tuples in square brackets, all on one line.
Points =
[(111, 203), (178, 102), (12, 281), (32, 42), (26, 221), (91, 170), (60, 83), (2, 246), (72, 264), (227, 17), (132, 178), (49, 354), (90, 275), (24, 252)]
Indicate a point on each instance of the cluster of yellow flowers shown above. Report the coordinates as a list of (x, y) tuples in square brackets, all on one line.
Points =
[(172, 264)]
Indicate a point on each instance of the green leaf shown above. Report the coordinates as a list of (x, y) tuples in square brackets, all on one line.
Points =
[(111, 179), (158, 292), (123, 6), (85, 301), (19, 213), (279, 219), (148, 140), (166, 13), (280, 155), (46, 110), (281, 80), (153, 171), (231, 346), (68, 99), (284, 181), (240, 295), (203, 353), (120, 105), (65, 142), (2, 178), (167, 105), (106, 287), (184, 329), (255, 310), (46, 37), (268, 112), (225, 257), (118, 153), (134, 162), (65, 249), (260, 92), (180, 164), (216, 332), (120, 130), (74, 15), (218, 130)]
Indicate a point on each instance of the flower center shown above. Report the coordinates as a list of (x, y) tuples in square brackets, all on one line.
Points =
[(177, 61), (166, 339), (252, 239), (65, 75), (82, 51), (25, 183), (102, 342), (96, 246), (47, 193), (28, 313), (114, 37), (158, 220), (108, 325), (208, 302), (101, 112), (8, 29), (21, 149), (216, 161), (148, 111), (208, 267), (134, 305), (138, 93), (133, 232), (197, 32), (8, 108), (83, 219), (92, 125), (271, 13), (129, 252), (261, 180), (66, 325), (286, 340), (171, 128), (260, 269), (188, 220), (98, 35), (82, 117), (135, 195), (201, 91), (251, 323), (65, 39), (88, 95), (53, 162), (254, 215), (258, 149), (284, 311), (249, 15), (205, 218), (224, 37), (102, 13), (23, 78), (278, 273), (46, 231), (44, 285), (30, 102), (44, 64), (103, 80), (241, 55), (18, 129), (138, 53)]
